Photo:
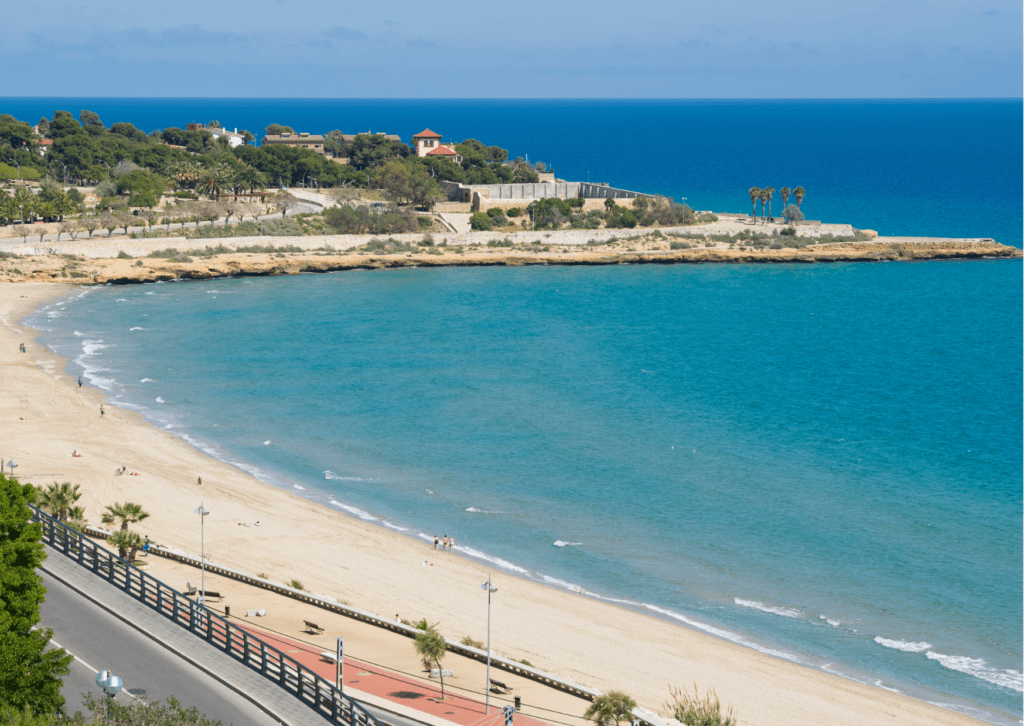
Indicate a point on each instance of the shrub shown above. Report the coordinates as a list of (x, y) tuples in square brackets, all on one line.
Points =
[(473, 643), (427, 241), (504, 242), (788, 232), (480, 222), (707, 218), (697, 711), (296, 584), (679, 245), (106, 188), (513, 212), (793, 214), (628, 219), (495, 212), (122, 255)]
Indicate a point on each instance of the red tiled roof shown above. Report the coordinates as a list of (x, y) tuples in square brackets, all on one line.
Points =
[(427, 134), (45, 142), (442, 151)]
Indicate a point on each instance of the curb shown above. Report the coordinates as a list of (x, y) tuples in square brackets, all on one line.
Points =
[(220, 679)]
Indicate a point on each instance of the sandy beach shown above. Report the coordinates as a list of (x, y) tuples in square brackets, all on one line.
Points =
[(46, 416)]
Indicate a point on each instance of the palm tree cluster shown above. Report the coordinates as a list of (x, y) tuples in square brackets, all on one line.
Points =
[(51, 203), (764, 196), (217, 178), (127, 542)]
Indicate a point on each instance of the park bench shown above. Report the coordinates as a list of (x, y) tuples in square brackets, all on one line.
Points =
[(312, 628), (212, 595), (499, 687)]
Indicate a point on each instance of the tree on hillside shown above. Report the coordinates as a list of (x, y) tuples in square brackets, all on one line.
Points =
[(432, 648), (611, 708), (30, 670), (278, 129), (755, 195), (90, 118)]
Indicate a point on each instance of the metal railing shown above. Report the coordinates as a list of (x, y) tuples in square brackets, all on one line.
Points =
[(315, 691)]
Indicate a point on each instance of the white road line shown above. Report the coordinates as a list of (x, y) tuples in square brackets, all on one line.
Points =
[(94, 670)]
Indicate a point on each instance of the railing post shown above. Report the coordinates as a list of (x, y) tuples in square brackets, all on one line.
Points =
[(263, 658), (81, 548), (245, 647), (110, 567), (227, 637), (280, 668), (298, 678), (209, 625)]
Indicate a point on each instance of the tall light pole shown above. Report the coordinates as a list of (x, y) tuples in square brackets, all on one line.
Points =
[(202, 512), (487, 684), (13, 161)]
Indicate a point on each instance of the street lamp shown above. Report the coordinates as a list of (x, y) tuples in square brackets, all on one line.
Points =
[(202, 512), (15, 162), (110, 684), (487, 684)]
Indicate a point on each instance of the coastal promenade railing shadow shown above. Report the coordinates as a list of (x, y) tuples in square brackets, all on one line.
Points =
[(313, 690)]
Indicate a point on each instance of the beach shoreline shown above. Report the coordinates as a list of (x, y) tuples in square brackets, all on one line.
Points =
[(558, 631)]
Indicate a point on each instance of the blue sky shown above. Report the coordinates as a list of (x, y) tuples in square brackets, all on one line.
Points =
[(530, 49)]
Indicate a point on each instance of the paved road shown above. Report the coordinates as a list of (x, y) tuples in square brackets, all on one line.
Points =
[(101, 641)]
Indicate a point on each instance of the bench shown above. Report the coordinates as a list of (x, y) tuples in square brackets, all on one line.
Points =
[(211, 594), (312, 628), (499, 687)]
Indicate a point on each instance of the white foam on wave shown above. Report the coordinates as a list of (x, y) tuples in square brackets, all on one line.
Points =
[(79, 335), (475, 510), (905, 645), (160, 400), (365, 516), (830, 621), (267, 442), (503, 564), (774, 610), (151, 293), (392, 525), (135, 328), (722, 633), (146, 380), (299, 487), (563, 543), (977, 667), (331, 476)]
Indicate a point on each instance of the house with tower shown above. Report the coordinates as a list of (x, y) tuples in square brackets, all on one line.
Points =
[(427, 143)]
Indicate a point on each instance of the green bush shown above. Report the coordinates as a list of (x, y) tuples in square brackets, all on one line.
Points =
[(513, 212), (707, 218), (296, 584), (788, 232), (628, 219), (472, 642), (480, 222), (697, 711), (122, 255), (679, 245)]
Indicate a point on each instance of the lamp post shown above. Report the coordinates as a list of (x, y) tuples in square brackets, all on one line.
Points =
[(110, 684), (487, 684), (15, 162), (202, 512)]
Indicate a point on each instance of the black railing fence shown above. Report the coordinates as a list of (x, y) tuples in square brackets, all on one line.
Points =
[(315, 691)]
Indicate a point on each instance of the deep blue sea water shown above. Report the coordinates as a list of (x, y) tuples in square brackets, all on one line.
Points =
[(823, 462)]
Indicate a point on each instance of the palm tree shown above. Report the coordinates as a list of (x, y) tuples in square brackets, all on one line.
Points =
[(798, 195), (611, 708), (127, 543), (784, 193), (251, 178), (213, 181), (769, 191), (247, 136), (76, 519), (58, 499), (763, 197), (128, 513), (755, 194)]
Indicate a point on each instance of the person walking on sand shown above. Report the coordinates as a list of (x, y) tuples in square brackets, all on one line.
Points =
[(199, 481), (444, 547), (101, 411), (145, 548), (435, 541), (79, 381), (451, 543)]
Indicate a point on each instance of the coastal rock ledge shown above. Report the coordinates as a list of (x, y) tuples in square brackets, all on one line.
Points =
[(73, 269)]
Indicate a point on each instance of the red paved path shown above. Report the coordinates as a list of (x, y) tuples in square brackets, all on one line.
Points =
[(382, 683)]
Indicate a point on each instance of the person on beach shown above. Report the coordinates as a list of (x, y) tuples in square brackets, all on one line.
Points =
[(199, 481), (444, 547), (435, 541), (79, 381), (101, 411), (75, 454), (451, 543), (145, 548)]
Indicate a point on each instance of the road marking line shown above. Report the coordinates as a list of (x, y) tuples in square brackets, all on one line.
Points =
[(94, 670)]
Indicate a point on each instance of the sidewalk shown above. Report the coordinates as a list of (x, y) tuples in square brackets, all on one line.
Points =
[(374, 684)]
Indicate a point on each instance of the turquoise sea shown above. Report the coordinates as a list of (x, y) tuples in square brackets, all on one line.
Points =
[(822, 462)]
